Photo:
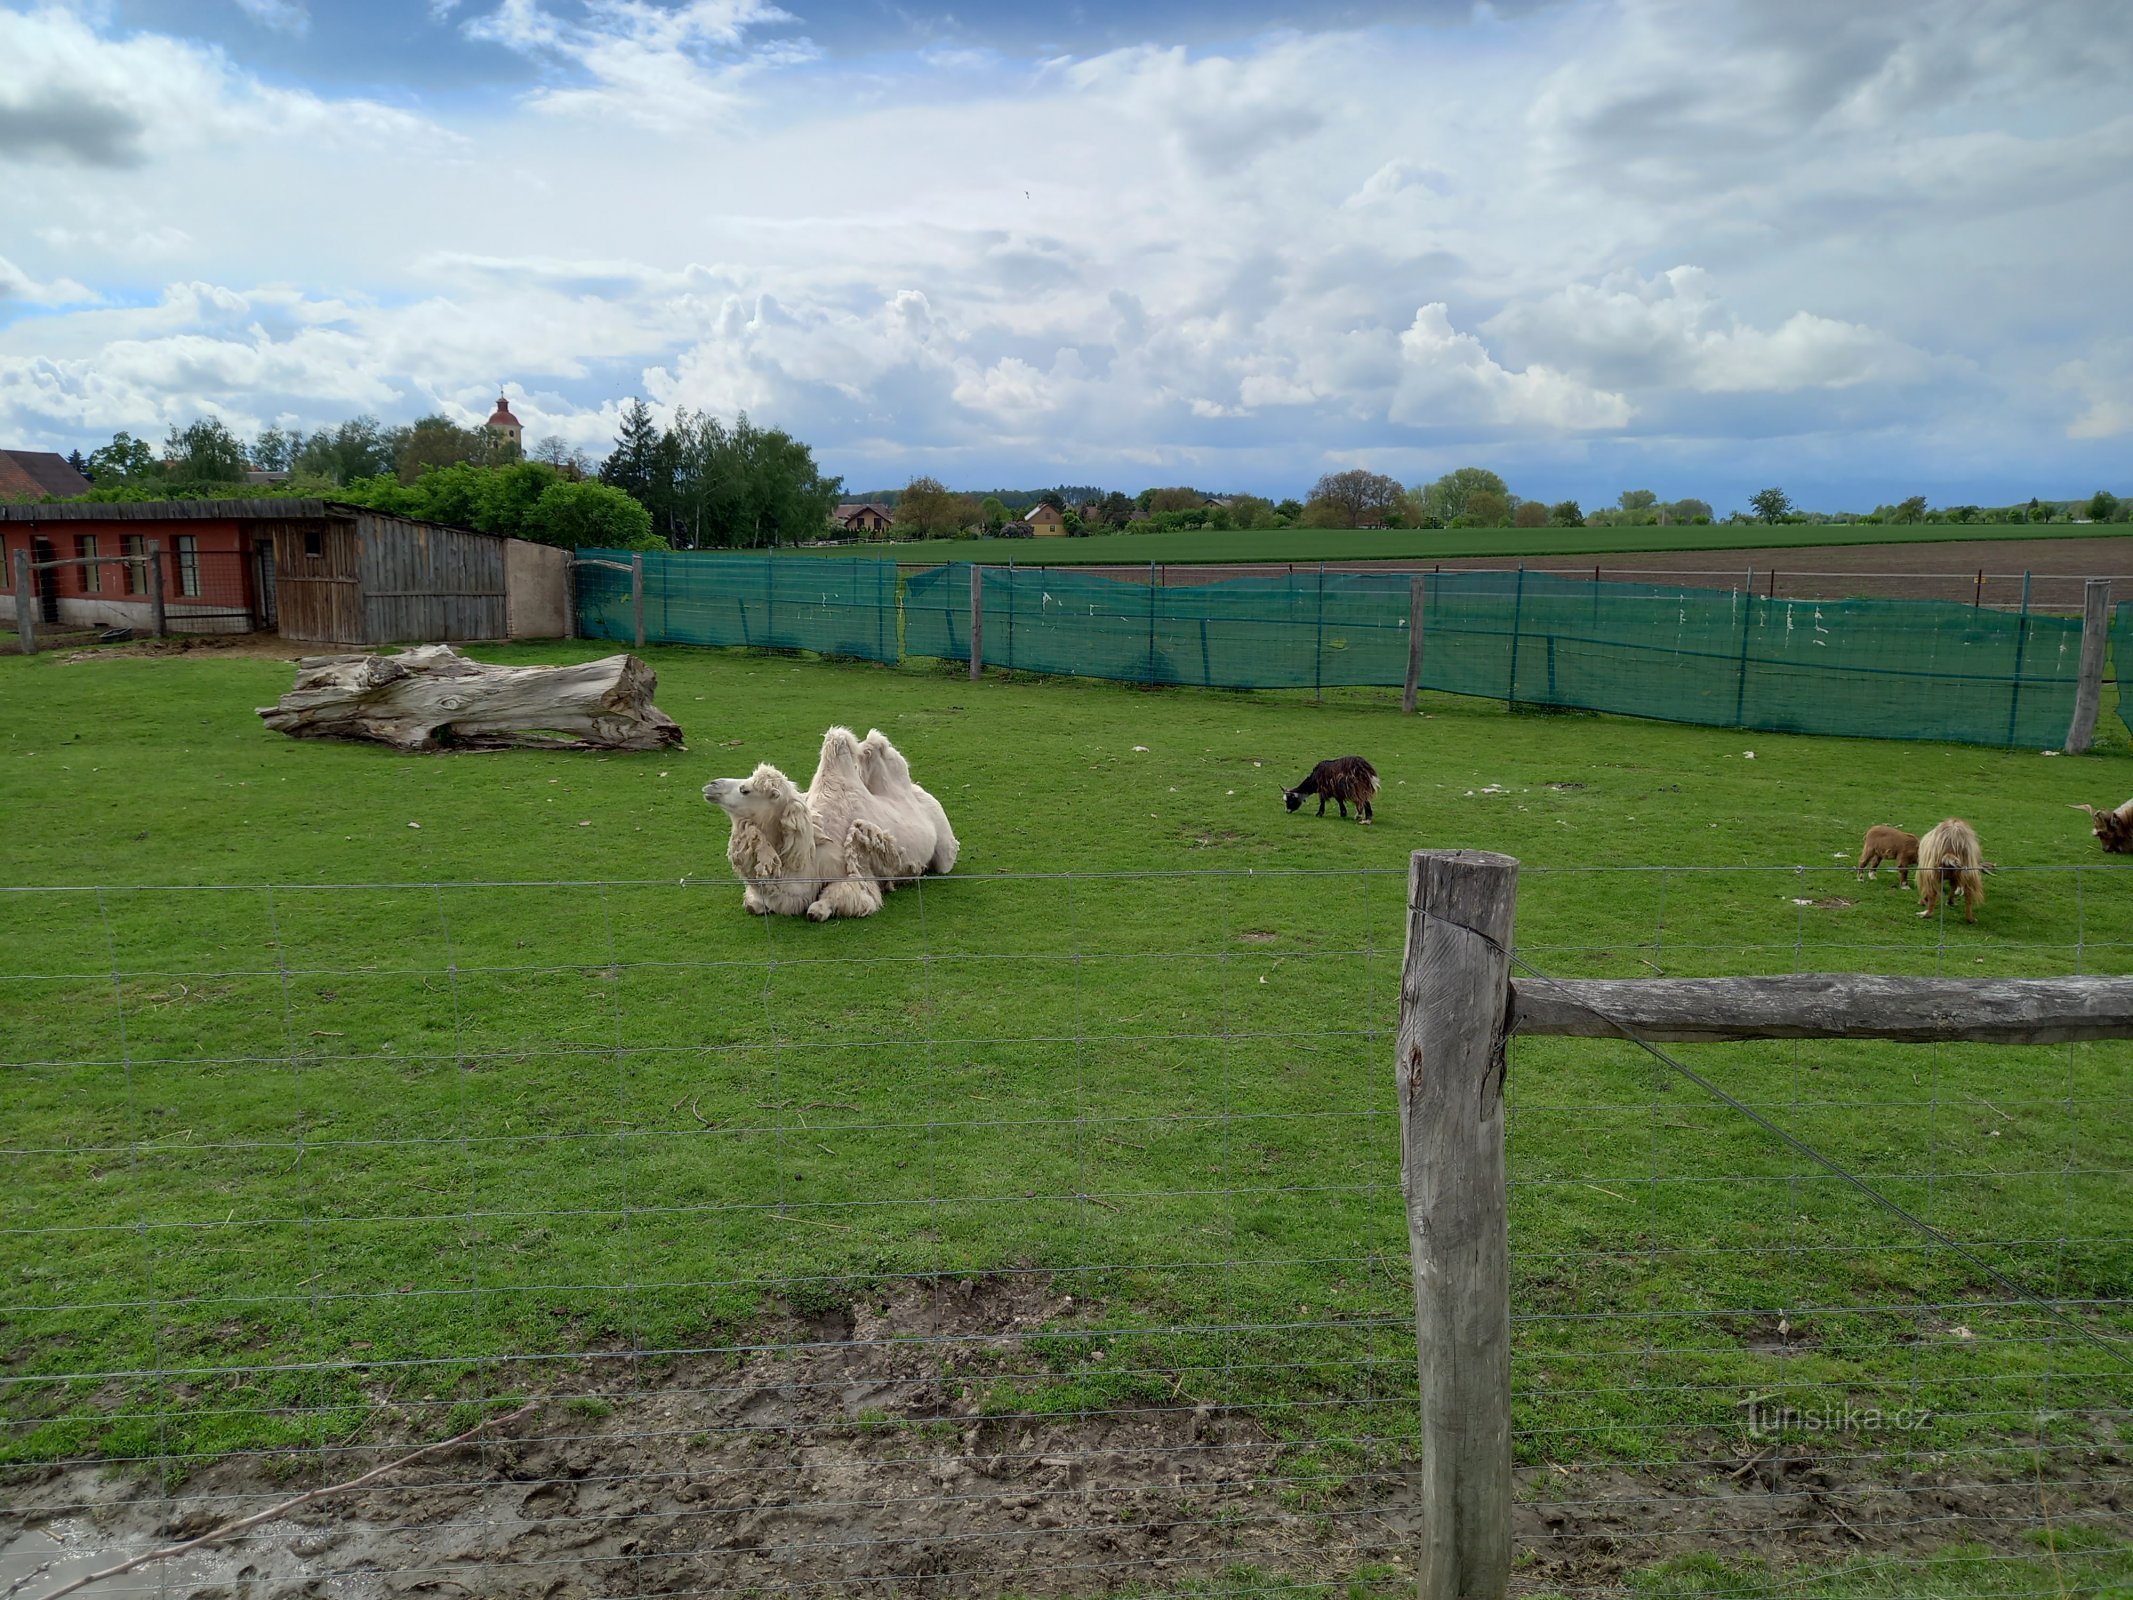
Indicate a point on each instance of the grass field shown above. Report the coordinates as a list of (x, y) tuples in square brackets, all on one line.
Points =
[(340, 1079), (1203, 546)]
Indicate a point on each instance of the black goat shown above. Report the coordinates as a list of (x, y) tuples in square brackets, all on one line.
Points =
[(1349, 780)]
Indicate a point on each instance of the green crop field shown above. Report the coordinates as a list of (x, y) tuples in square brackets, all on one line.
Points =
[(338, 1079), (1209, 545)]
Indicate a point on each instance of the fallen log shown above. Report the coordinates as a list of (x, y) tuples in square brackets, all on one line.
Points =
[(434, 698)]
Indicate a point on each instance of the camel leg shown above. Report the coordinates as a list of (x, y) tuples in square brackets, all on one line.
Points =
[(846, 897)]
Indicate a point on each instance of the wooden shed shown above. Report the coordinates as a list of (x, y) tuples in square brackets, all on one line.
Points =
[(349, 575)]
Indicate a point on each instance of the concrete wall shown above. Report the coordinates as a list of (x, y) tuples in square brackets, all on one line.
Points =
[(537, 590)]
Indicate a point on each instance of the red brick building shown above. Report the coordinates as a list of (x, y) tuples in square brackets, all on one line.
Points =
[(215, 577)]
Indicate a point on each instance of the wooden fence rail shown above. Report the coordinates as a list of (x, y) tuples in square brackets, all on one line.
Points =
[(1458, 1007)]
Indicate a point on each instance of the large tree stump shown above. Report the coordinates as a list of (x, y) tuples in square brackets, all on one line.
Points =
[(434, 698)]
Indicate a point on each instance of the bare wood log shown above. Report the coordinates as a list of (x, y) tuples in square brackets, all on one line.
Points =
[(434, 698), (2088, 687), (1828, 1006), (1454, 998)]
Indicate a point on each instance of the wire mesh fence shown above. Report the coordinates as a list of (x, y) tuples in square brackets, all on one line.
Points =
[(1729, 658), (1041, 1234)]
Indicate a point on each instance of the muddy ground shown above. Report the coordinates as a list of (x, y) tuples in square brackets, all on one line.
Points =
[(2057, 568), (850, 1457)]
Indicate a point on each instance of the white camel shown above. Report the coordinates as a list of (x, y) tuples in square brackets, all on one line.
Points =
[(860, 828)]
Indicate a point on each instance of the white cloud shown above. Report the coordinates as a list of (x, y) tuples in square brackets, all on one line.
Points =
[(1396, 177), (1672, 330), (664, 67), (283, 16), (1449, 380), (2103, 385), (18, 287), (71, 95)]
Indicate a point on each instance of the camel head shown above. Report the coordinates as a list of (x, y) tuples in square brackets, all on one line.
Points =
[(771, 823)]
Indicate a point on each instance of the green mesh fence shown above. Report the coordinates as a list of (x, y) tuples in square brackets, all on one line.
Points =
[(1884, 669), (845, 608), (1888, 669), (2122, 651)]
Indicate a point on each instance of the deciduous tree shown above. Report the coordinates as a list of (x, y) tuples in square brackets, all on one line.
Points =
[(1770, 505), (1360, 497), (1447, 497), (205, 451)]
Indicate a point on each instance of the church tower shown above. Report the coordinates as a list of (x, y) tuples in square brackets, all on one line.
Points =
[(502, 423)]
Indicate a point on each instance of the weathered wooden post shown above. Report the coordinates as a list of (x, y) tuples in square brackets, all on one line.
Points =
[(977, 622), (158, 609), (1414, 645), (25, 604), (637, 595), (1455, 999), (2088, 690)]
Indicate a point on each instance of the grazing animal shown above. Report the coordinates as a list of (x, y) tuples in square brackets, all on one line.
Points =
[(859, 828), (1949, 860), (2114, 829), (1888, 844), (1346, 781)]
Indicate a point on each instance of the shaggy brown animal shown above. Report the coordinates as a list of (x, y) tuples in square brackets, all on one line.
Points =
[(1949, 860), (2114, 829), (1888, 844), (1346, 781)]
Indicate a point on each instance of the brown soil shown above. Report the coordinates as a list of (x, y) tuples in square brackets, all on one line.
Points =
[(2057, 568), (849, 1455), (250, 646)]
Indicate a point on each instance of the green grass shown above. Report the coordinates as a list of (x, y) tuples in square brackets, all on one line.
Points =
[(1434, 544), (316, 1103)]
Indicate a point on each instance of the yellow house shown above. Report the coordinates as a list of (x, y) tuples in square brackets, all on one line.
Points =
[(1044, 521)]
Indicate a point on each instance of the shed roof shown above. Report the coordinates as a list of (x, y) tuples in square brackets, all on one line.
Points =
[(39, 472), (259, 508)]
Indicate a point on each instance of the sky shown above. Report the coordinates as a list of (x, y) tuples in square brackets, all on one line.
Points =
[(1858, 251)]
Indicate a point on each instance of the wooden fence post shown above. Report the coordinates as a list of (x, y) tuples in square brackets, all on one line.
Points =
[(2088, 691), (25, 604), (1455, 998), (158, 606), (1414, 645), (637, 595), (977, 621)]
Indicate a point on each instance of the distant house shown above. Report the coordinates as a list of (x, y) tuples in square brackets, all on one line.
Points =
[(1137, 514), (865, 517), (33, 474), (1045, 521)]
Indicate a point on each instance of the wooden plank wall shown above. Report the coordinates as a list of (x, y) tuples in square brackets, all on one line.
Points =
[(422, 583), (318, 598)]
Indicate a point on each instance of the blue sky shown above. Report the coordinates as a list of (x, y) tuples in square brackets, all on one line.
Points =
[(1698, 246)]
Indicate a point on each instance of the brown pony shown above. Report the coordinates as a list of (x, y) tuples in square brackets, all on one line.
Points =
[(1888, 844)]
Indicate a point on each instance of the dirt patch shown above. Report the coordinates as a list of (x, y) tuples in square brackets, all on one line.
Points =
[(2057, 568), (250, 646), (855, 1447)]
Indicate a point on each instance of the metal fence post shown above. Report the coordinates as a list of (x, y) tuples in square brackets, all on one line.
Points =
[(1318, 642), (637, 595), (158, 608), (1151, 623), (2014, 694), (2088, 689), (25, 604), (1747, 622), (977, 621), (1518, 614), (1454, 1010), (1414, 645)]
